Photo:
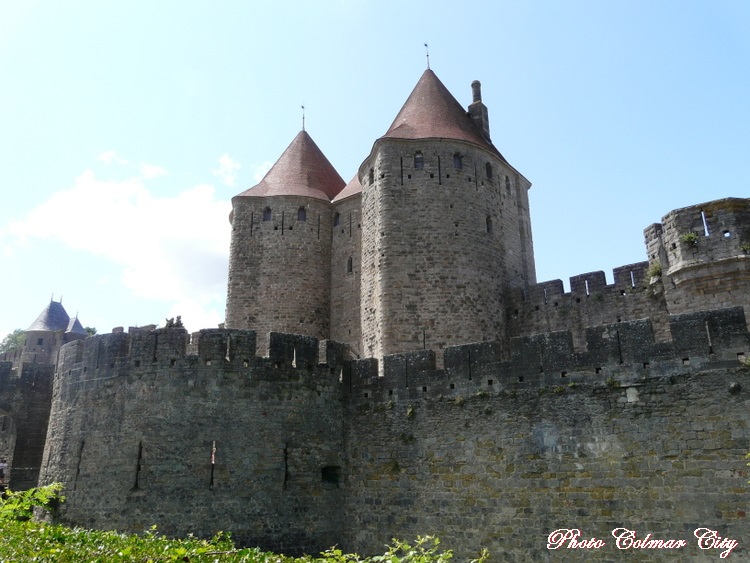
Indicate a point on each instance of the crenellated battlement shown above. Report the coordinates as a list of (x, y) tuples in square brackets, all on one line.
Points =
[(633, 295), (703, 234), (615, 354), (88, 363)]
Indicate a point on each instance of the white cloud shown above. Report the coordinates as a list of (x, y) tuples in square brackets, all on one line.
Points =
[(227, 170), (261, 170), (151, 171), (172, 249), (108, 157)]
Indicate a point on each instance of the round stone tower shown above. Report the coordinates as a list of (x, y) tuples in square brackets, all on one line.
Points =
[(446, 236), (280, 254)]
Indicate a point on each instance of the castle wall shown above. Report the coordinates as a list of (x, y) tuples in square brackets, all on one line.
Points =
[(505, 446), (508, 442), (441, 245), (592, 302), (346, 276), (25, 395), (143, 434), (704, 253), (279, 269), (41, 346)]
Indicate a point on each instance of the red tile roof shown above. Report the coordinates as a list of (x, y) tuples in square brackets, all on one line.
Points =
[(352, 188), (303, 170), (431, 112)]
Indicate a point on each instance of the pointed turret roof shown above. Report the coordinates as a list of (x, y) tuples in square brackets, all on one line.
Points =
[(75, 327), (52, 318), (302, 170), (431, 112), (352, 188)]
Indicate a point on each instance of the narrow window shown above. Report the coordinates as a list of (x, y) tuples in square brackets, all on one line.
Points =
[(302, 214), (349, 265), (418, 161), (372, 176), (489, 224), (507, 184), (267, 215), (40, 342), (488, 170), (336, 219), (458, 161), (706, 232), (213, 465)]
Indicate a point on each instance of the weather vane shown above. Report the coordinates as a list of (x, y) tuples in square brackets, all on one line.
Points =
[(303, 117), (427, 51)]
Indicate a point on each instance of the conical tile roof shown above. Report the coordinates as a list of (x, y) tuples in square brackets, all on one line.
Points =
[(52, 318), (302, 170), (431, 112), (352, 188)]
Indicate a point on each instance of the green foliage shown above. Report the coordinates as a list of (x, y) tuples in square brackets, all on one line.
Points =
[(689, 238), (559, 389), (654, 270), (90, 330), (19, 505), (745, 247), (24, 540), (13, 341), (612, 382)]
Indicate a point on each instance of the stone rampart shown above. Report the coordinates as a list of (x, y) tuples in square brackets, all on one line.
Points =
[(25, 395), (305, 449), (142, 433), (614, 354), (590, 302)]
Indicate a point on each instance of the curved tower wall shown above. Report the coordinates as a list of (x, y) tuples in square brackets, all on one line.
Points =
[(346, 271), (704, 253), (443, 246), (142, 433), (279, 268)]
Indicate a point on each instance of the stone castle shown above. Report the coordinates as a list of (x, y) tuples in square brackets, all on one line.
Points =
[(390, 366)]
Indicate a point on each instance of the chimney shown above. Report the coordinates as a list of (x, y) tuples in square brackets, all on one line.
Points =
[(478, 111)]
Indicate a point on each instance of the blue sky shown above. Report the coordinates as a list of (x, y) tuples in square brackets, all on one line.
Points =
[(126, 127)]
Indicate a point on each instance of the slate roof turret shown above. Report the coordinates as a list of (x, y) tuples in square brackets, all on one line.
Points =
[(53, 318), (75, 327), (302, 170)]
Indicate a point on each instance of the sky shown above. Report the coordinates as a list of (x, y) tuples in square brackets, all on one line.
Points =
[(127, 127)]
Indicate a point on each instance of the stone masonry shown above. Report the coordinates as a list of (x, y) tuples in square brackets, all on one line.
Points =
[(391, 367)]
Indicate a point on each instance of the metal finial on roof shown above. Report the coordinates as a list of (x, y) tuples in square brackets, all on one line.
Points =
[(303, 117), (427, 52)]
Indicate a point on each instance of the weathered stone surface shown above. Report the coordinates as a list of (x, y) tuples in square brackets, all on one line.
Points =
[(497, 450)]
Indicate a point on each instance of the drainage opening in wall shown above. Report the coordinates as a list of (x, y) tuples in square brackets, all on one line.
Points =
[(331, 475)]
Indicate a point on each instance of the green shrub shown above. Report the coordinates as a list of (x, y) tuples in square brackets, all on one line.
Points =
[(689, 238), (654, 270), (25, 540), (19, 505)]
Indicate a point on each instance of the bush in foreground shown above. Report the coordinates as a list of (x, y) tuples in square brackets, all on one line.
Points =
[(25, 540)]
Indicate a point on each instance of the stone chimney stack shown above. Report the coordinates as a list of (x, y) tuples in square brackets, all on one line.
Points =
[(478, 111)]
